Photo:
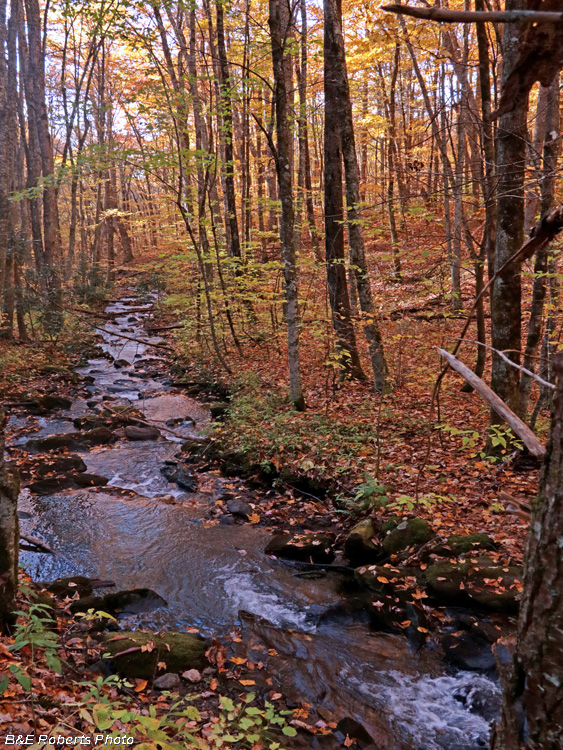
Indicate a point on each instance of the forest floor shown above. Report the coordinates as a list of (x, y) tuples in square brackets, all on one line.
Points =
[(351, 455)]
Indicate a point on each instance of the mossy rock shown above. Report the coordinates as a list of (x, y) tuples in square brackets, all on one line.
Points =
[(179, 651), (89, 422), (409, 533), (360, 547), (313, 547), (458, 544), (390, 524), (218, 409), (477, 582), (384, 578)]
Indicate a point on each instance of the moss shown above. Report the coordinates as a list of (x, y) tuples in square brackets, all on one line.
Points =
[(359, 547), (407, 534), (179, 651), (461, 545)]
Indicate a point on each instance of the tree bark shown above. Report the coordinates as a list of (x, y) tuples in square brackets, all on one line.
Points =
[(279, 21), (551, 148), (532, 713), (335, 48), (506, 295), (334, 204), (9, 536)]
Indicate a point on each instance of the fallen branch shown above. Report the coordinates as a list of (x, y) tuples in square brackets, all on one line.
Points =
[(503, 356), (37, 543), (144, 422), (131, 338), (520, 508), (521, 429), (442, 15), (157, 329)]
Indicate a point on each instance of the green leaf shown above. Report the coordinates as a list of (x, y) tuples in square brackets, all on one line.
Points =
[(289, 731)]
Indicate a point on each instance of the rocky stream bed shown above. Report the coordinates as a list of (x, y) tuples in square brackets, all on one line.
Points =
[(123, 496)]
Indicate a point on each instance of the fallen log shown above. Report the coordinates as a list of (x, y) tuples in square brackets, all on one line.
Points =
[(521, 429)]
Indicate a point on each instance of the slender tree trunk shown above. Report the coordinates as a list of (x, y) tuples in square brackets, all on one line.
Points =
[(551, 148), (334, 46), (280, 22), (227, 134)]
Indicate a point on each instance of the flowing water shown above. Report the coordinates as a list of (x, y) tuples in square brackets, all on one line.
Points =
[(158, 536)]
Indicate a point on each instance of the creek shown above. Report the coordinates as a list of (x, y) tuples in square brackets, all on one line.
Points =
[(217, 577)]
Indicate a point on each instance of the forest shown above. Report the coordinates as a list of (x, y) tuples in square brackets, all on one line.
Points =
[(281, 374)]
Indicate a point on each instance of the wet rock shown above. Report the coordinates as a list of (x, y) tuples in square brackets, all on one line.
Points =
[(179, 651), (478, 582), (98, 436), (458, 544), (50, 402), (89, 480), (51, 485), (53, 442), (61, 464), (407, 534), (361, 547), (168, 681), (377, 577), (226, 520), (70, 585), (468, 651), (119, 363), (238, 507), (182, 477), (482, 698), (89, 422), (349, 727), (218, 409), (138, 432), (313, 547), (131, 602), (42, 404)]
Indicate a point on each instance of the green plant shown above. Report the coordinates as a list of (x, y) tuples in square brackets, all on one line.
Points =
[(427, 501), (33, 631), (245, 725), (369, 494)]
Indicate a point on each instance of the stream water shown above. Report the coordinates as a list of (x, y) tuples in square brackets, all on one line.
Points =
[(208, 574)]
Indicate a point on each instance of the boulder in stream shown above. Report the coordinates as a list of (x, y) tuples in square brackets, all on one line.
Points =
[(361, 547), (89, 480), (479, 582), (239, 508), (98, 436), (141, 432), (61, 464), (175, 473), (311, 547), (179, 651), (53, 442), (409, 533)]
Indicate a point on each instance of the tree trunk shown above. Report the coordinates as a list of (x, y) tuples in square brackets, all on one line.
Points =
[(532, 713), (334, 205), (511, 162), (9, 535), (279, 22), (334, 45), (551, 148)]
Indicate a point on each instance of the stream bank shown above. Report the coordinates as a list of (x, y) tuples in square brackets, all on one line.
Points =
[(141, 530)]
